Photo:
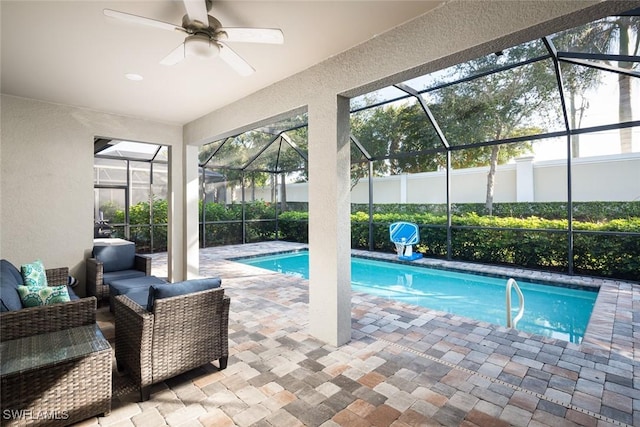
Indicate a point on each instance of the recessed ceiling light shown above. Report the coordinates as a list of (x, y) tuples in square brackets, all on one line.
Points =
[(133, 76)]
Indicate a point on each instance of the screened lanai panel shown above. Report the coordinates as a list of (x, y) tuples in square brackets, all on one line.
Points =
[(605, 143), (289, 123), (207, 150), (280, 156), (601, 36), (397, 128), (131, 150), (221, 207), (237, 152), (109, 172), (300, 138), (163, 154), (378, 96), (495, 61), (269, 159), (596, 97), (159, 212), (514, 103)]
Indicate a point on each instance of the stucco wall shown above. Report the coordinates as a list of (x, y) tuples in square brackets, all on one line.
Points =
[(46, 181), (605, 178)]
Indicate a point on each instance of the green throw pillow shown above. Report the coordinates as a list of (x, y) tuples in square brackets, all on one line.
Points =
[(36, 296), (34, 274)]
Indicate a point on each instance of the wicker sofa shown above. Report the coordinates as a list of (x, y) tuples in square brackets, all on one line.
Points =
[(17, 322), (171, 329), (114, 261), (53, 379)]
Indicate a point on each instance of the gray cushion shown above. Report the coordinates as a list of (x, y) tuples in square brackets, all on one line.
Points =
[(116, 257), (72, 295), (139, 296), (108, 278), (124, 286), (10, 279), (181, 288)]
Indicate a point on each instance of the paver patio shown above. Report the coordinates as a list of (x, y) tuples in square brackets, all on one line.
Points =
[(404, 366)]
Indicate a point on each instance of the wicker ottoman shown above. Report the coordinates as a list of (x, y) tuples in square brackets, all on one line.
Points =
[(134, 286), (56, 379)]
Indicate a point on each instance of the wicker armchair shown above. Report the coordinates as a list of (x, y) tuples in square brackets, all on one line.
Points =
[(179, 334), (98, 285), (48, 318)]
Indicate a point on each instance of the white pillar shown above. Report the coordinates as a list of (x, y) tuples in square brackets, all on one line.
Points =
[(329, 220), (403, 188), (191, 221), (175, 232), (525, 191)]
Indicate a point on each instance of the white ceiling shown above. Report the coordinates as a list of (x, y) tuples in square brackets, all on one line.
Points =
[(68, 52)]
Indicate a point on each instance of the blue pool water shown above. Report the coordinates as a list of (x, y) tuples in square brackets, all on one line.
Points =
[(552, 311)]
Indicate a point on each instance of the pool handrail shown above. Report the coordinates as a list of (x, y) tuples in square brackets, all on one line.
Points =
[(511, 283)]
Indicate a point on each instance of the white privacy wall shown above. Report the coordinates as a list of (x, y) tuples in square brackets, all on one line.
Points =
[(455, 32), (605, 178)]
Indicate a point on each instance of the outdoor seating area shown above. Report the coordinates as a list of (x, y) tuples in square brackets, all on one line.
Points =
[(57, 365), (404, 364)]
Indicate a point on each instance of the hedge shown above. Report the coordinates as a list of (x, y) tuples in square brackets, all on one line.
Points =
[(527, 242), (532, 235), (582, 211)]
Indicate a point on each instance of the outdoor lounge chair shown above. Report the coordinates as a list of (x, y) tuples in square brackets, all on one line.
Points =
[(171, 329), (114, 261)]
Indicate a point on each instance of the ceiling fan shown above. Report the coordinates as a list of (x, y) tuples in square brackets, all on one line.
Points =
[(206, 37)]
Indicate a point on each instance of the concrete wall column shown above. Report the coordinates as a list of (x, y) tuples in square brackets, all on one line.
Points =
[(191, 221), (525, 191), (329, 220), (175, 235), (403, 188)]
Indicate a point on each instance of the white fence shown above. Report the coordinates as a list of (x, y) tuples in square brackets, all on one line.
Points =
[(603, 178)]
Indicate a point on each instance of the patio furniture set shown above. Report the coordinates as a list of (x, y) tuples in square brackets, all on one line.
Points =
[(56, 365)]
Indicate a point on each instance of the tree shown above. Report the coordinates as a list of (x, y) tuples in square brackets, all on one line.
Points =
[(614, 35), (511, 103), (620, 32)]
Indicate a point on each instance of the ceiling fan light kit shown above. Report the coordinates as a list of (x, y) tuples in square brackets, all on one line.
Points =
[(201, 46), (206, 38)]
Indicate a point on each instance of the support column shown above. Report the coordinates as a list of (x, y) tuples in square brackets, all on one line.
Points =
[(175, 199), (191, 253), (329, 220)]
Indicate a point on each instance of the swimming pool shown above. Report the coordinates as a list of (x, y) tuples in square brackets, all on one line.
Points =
[(552, 311)]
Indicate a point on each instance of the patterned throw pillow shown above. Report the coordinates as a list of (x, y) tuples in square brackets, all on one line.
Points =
[(34, 274), (36, 296)]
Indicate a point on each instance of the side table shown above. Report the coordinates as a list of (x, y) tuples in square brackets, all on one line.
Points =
[(55, 379)]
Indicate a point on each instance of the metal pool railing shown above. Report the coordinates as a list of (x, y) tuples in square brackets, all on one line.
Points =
[(512, 323)]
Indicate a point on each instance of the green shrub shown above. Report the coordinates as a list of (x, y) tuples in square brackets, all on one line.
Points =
[(530, 242), (532, 235)]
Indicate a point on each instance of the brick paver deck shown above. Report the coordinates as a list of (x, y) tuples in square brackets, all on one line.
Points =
[(404, 366)]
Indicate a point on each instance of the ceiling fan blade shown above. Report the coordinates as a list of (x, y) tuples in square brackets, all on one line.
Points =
[(197, 11), (254, 35), (175, 56), (135, 19), (234, 60)]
